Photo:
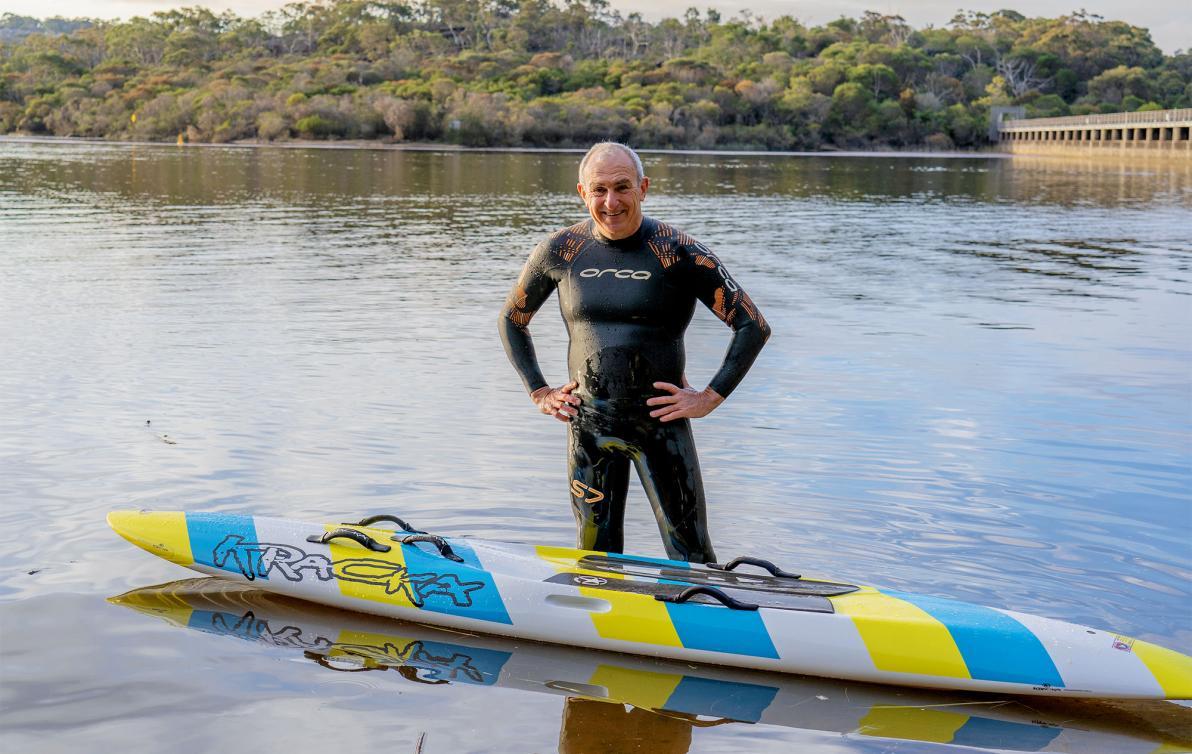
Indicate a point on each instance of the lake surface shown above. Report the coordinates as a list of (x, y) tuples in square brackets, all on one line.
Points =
[(979, 386)]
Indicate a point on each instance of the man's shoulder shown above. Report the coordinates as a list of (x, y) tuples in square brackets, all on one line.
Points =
[(672, 245), (568, 242)]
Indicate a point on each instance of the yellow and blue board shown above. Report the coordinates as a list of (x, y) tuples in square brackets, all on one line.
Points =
[(907, 636)]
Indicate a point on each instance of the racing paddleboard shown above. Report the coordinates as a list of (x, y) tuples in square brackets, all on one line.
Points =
[(718, 614)]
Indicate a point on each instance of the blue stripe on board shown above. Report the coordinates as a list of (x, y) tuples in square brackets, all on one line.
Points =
[(983, 733), (995, 647), (720, 629), (210, 543), (465, 589), (728, 699)]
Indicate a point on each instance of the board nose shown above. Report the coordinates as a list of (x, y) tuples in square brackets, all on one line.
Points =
[(163, 533)]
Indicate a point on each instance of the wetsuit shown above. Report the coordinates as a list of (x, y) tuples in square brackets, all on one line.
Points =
[(626, 305)]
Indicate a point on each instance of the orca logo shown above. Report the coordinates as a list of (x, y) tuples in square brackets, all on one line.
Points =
[(583, 580), (581, 490), (728, 282), (592, 272)]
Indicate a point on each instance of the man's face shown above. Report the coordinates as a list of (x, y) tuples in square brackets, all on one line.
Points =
[(613, 195)]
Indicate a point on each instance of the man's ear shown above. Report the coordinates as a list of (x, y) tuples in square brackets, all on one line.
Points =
[(583, 193), (645, 185)]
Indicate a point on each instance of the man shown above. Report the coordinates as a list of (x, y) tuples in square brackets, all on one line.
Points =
[(627, 290)]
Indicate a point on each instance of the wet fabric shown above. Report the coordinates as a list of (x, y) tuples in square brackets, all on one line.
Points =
[(626, 304), (603, 440)]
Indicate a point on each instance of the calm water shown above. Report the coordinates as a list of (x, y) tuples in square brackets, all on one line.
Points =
[(980, 386)]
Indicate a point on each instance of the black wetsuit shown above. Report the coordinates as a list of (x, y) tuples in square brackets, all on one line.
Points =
[(626, 305)]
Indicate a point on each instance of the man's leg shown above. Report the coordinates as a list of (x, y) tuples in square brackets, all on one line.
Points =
[(669, 470), (599, 471)]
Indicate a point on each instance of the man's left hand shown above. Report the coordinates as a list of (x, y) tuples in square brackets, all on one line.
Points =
[(683, 402)]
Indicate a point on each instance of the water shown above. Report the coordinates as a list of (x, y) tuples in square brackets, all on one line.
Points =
[(979, 386)]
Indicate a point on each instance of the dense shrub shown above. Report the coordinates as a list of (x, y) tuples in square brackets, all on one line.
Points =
[(568, 74)]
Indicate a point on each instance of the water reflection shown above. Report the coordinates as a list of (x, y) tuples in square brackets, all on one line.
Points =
[(620, 703), (189, 176)]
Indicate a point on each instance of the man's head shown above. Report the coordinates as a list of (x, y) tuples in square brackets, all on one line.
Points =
[(613, 185)]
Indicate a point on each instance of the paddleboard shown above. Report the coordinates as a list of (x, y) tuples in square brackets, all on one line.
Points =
[(775, 621)]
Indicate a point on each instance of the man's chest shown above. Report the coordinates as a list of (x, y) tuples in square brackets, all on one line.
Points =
[(610, 284)]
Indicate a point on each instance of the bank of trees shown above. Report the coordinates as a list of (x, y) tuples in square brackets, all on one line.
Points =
[(533, 72)]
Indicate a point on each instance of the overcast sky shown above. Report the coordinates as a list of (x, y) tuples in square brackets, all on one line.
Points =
[(1170, 21)]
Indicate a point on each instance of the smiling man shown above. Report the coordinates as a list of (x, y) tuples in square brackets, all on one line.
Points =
[(627, 290)]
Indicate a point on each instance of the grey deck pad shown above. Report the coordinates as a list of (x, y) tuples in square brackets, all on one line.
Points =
[(629, 566), (807, 602)]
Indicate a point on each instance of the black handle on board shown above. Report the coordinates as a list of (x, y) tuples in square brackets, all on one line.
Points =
[(748, 560), (444, 548), (385, 517), (352, 534), (710, 591)]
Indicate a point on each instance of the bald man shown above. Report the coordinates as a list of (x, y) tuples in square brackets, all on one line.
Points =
[(627, 287)]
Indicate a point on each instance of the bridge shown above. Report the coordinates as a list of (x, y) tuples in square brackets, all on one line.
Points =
[(1152, 130)]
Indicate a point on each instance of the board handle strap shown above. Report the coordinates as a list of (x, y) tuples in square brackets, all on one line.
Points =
[(352, 534), (709, 591), (748, 560), (388, 518), (444, 548)]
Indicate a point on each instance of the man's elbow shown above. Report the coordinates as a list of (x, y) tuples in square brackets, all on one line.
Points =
[(514, 320)]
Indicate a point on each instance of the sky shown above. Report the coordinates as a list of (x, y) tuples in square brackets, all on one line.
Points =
[(1170, 21)]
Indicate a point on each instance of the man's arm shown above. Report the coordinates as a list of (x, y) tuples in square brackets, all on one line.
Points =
[(532, 289), (729, 302)]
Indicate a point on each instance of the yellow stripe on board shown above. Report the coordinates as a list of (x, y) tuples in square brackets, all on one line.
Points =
[(641, 688), (564, 558), (912, 724), (900, 637), (162, 533), (368, 575), (632, 617), (1173, 670)]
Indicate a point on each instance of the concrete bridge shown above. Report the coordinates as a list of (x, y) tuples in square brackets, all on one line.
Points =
[(1168, 130)]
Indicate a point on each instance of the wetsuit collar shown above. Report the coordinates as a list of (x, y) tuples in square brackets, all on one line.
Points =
[(628, 241)]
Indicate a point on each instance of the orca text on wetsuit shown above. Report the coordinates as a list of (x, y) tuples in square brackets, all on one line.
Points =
[(626, 304)]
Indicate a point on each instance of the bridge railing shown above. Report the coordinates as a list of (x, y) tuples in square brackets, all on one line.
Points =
[(1111, 119)]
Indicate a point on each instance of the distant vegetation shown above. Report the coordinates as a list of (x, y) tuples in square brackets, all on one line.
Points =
[(530, 72)]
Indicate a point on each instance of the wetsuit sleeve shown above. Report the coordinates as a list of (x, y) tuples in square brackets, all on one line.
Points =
[(732, 305), (532, 289)]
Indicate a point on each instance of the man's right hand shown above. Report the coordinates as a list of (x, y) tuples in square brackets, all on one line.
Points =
[(557, 402)]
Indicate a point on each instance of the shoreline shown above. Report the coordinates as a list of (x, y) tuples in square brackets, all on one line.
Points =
[(379, 146)]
